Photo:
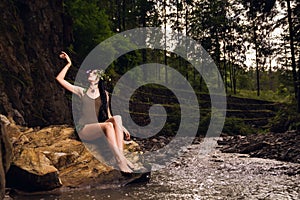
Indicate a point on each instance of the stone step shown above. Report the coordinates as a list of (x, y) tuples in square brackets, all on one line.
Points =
[(250, 113)]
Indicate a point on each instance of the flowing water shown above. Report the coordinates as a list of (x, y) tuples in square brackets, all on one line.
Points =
[(197, 176)]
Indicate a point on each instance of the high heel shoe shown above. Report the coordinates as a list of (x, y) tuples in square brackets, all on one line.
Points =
[(131, 174), (126, 174)]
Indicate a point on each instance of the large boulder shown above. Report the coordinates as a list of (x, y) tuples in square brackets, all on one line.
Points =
[(54, 157), (5, 153)]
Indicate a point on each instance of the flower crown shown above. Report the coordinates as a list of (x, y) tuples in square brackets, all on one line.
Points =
[(100, 74)]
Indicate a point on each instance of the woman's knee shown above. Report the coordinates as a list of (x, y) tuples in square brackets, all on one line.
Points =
[(117, 118), (108, 126)]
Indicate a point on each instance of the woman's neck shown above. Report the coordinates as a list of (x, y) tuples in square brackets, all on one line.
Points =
[(93, 85), (93, 89)]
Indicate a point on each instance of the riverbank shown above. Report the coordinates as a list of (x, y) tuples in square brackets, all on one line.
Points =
[(279, 146), (193, 175)]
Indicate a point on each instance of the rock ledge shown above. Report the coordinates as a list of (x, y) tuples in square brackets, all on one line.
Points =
[(53, 157)]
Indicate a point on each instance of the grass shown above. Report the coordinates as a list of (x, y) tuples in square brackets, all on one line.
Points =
[(267, 95)]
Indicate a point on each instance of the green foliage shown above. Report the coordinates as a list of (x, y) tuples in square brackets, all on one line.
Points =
[(91, 24), (286, 119), (274, 85), (236, 126), (203, 124), (267, 95), (245, 81)]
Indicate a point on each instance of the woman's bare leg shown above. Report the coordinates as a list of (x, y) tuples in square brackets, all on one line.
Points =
[(94, 131), (91, 132), (118, 126)]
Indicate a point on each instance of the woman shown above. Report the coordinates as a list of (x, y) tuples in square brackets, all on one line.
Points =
[(96, 118)]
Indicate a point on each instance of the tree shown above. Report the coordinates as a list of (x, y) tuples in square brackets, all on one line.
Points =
[(91, 25), (291, 39)]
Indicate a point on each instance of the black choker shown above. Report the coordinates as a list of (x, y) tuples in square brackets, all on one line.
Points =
[(92, 90)]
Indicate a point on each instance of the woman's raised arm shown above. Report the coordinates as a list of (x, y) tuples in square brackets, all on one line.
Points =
[(61, 76)]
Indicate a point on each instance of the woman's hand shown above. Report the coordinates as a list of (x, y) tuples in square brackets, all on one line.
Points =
[(127, 134), (64, 55)]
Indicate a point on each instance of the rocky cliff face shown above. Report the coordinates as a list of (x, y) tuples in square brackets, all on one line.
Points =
[(32, 34)]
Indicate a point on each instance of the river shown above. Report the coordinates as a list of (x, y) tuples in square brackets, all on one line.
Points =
[(196, 176)]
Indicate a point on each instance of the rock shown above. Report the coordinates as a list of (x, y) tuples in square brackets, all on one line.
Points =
[(281, 146), (32, 35), (5, 154), (53, 157), (154, 140), (32, 171), (248, 148)]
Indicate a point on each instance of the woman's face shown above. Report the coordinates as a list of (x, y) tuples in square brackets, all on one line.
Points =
[(92, 76)]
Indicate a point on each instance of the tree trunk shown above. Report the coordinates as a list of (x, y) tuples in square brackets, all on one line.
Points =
[(256, 60), (144, 51), (291, 37), (186, 33), (224, 61), (123, 15), (119, 23), (165, 52), (234, 79)]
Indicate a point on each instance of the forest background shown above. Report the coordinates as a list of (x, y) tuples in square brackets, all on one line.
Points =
[(255, 45)]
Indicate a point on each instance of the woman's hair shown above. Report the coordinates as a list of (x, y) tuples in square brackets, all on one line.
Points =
[(103, 115)]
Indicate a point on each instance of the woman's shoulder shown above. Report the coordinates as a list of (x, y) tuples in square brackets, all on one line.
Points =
[(107, 92), (80, 91)]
